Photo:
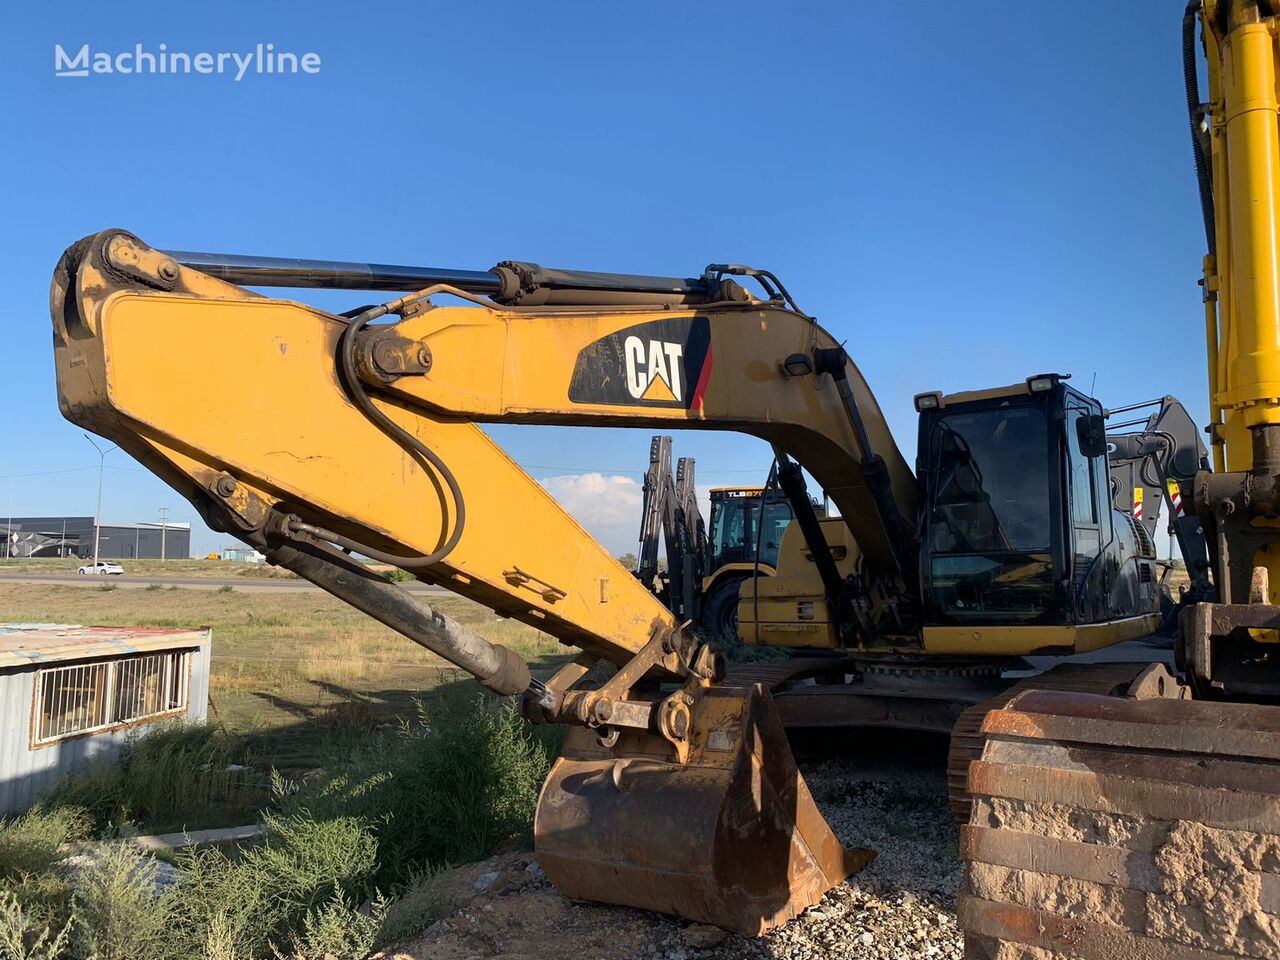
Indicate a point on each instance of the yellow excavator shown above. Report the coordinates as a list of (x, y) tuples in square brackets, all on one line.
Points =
[(1091, 789), (314, 436)]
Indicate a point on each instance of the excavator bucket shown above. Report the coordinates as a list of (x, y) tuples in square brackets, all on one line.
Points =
[(731, 838)]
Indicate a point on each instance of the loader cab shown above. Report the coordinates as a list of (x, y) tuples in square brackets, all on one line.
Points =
[(1017, 524), (741, 518)]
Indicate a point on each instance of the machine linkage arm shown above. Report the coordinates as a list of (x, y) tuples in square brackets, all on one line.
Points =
[(1155, 462), (753, 367), (240, 402)]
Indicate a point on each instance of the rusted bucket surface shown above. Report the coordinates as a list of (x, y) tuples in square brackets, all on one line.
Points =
[(732, 837)]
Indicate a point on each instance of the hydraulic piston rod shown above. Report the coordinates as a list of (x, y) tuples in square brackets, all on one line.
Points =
[(510, 282), (332, 274)]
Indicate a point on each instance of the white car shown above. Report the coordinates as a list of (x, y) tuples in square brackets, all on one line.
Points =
[(101, 567)]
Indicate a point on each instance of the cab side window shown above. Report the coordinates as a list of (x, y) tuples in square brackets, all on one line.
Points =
[(1084, 505)]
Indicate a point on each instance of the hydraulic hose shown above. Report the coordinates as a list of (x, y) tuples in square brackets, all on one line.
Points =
[(1191, 82), (414, 446)]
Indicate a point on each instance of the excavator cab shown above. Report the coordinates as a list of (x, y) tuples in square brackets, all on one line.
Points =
[(1018, 527)]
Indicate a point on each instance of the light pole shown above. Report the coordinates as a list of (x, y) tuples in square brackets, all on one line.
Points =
[(97, 517), (164, 529)]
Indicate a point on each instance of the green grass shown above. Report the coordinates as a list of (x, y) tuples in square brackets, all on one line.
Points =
[(294, 895), (348, 860), (390, 766), (453, 787), (178, 775)]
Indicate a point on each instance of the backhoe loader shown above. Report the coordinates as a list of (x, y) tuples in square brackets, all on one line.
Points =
[(707, 561), (1113, 808)]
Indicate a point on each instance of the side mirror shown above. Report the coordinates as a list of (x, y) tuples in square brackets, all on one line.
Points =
[(1091, 431)]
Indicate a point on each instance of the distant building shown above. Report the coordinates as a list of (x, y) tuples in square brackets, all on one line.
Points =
[(245, 554), (70, 696), (73, 537)]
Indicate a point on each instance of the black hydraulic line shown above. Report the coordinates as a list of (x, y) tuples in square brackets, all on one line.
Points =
[(510, 282), (1191, 83), (875, 472), (492, 664), (791, 482), (410, 443)]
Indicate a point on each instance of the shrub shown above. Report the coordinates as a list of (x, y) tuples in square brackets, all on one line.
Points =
[(34, 896), (23, 937), (454, 787), (29, 843), (396, 575), (243, 907), (119, 912), (421, 903), (338, 931), (164, 775)]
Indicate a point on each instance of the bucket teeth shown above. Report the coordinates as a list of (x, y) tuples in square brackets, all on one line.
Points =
[(732, 837)]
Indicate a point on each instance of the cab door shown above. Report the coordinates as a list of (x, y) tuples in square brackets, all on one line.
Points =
[(1093, 567)]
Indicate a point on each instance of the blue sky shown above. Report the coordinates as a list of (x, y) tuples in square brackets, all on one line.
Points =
[(967, 196)]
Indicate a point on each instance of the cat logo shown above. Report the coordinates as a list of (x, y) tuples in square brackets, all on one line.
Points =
[(660, 363), (653, 370)]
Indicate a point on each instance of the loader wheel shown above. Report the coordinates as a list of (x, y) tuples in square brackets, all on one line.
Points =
[(720, 611)]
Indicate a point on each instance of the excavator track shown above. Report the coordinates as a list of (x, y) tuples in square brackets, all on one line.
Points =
[(1106, 827), (776, 674), (1107, 679)]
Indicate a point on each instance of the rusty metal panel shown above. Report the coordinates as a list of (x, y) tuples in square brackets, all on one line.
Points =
[(1071, 938)]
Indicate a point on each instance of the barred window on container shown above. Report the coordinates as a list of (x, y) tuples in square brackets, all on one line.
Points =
[(84, 698)]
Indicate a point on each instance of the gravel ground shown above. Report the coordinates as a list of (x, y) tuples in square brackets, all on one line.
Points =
[(888, 794)]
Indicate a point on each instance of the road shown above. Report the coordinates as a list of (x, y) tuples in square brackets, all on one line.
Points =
[(247, 584)]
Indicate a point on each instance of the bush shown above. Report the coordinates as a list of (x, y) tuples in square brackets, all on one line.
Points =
[(245, 906), (23, 937), (396, 575), (34, 896), (457, 786), (338, 931), (118, 911), (29, 843), (421, 903), (163, 776)]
